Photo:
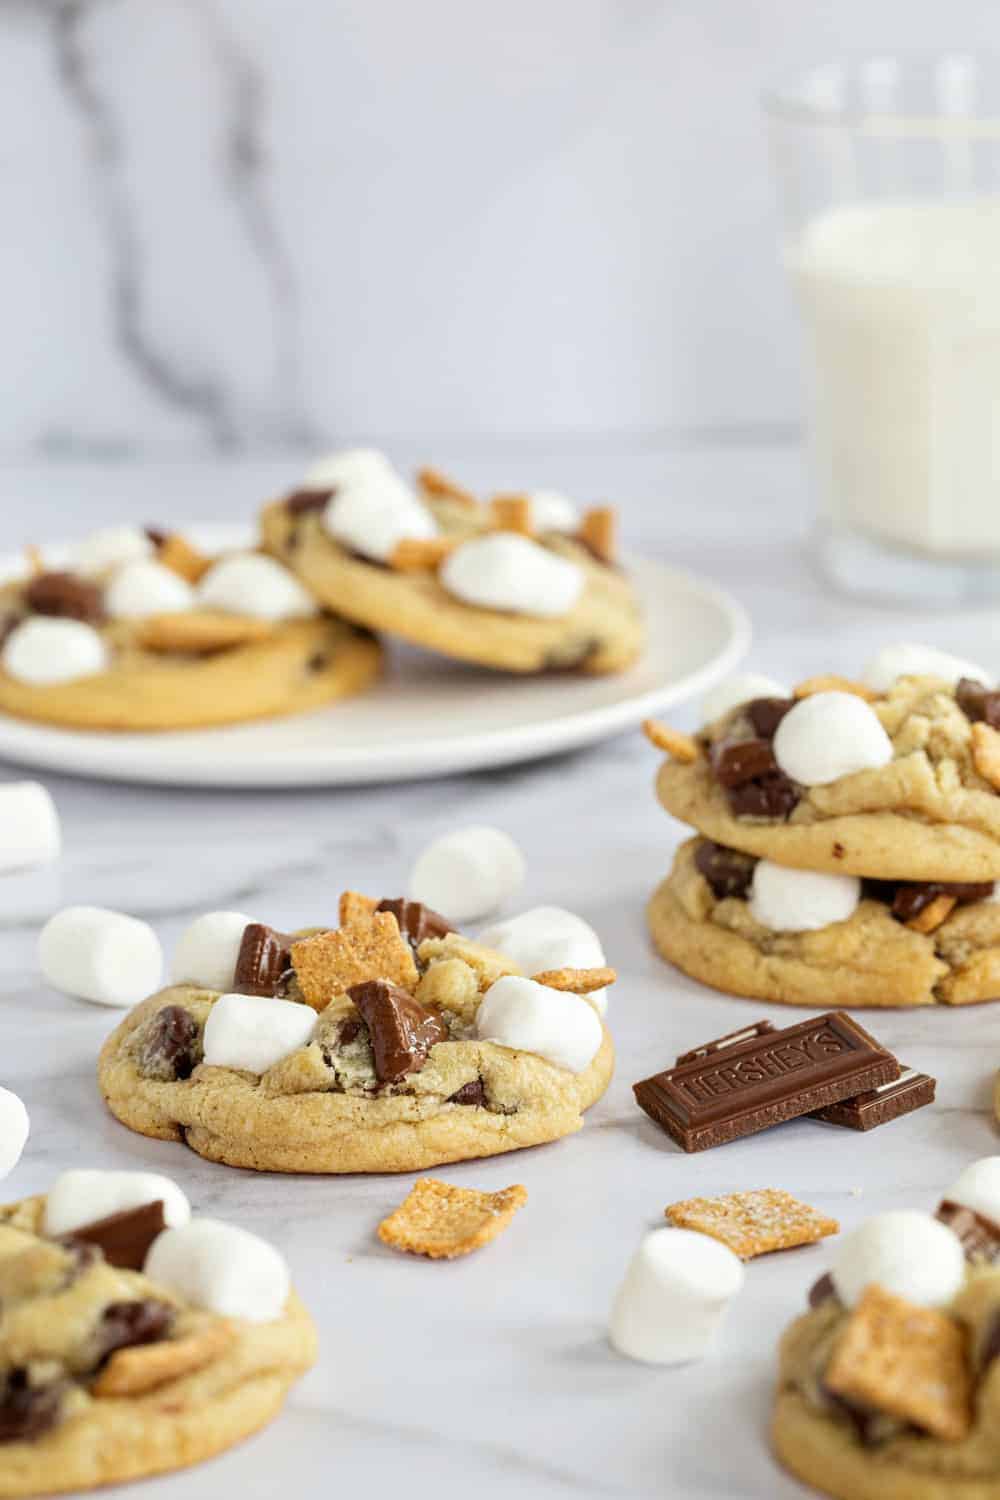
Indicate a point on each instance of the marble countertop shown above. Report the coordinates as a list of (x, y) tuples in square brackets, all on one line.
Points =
[(493, 1374)]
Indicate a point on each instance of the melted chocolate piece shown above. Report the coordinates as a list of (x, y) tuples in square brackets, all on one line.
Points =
[(868, 1424), (65, 596), (127, 1323), (349, 1031), (469, 1093), (402, 1031), (979, 1236), (979, 704), (989, 1346), (727, 871), (173, 1041), (416, 921), (263, 961), (907, 899), (301, 502), (125, 1237), (772, 796), (765, 714), (822, 1290), (27, 1411), (735, 762)]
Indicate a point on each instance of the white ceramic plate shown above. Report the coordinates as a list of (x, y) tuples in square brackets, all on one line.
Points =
[(428, 716)]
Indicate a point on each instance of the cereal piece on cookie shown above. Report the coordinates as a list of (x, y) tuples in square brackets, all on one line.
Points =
[(133, 1371), (201, 631), (908, 1361), (334, 961), (753, 1223), (176, 553), (678, 746), (986, 753), (443, 1222), (439, 487), (829, 682), (356, 908), (933, 914), (421, 554), (512, 513), (576, 981), (598, 532)]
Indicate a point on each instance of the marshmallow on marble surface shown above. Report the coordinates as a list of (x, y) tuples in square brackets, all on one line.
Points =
[(43, 650), (147, 588), (30, 833), (912, 1255), (830, 735), (100, 955), (910, 659), (83, 1196), (373, 516), (548, 937), (509, 572), (977, 1187), (352, 466), (468, 873), (13, 1131), (253, 1032), (207, 951), (248, 583), (800, 900), (551, 510), (220, 1267), (530, 1017), (674, 1296), (112, 547), (743, 687)]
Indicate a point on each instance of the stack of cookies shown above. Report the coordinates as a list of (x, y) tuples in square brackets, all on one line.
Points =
[(847, 837)]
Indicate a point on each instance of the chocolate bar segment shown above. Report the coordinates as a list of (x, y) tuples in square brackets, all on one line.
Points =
[(124, 1237), (910, 1091), (743, 1087), (980, 1237), (745, 1034), (263, 960)]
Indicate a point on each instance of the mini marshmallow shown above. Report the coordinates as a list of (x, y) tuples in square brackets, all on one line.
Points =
[(227, 1270), (553, 511), (530, 1017), (112, 547), (207, 951), (351, 467), (741, 688), (510, 572), (468, 873), (548, 937), (909, 1254), (30, 833), (147, 588), (83, 1195), (828, 736), (372, 516), (247, 583), (674, 1297), (44, 650), (800, 900), (253, 1032), (13, 1131), (908, 659), (100, 955), (977, 1187)]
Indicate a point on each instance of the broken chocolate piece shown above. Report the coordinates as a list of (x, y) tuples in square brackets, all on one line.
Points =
[(172, 1045), (745, 1034), (65, 596), (263, 961), (416, 921), (765, 714), (822, 1290), (301, 502), (772, 796), (125, 1237), (470, 1093), (727, 871), (979, 704), (125, 1324), (156, 536), (910, 1091), (980, 1237), (26, 1410), (735, 762), (402, 1031)]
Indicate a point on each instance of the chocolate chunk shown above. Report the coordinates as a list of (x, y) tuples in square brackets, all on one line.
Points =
[(910, 1091), (749, 1085), (127, 1323), (989, 1344), (401, 1030), (172, 1046), (469, 1093), (771, 796), (822, 1290), (765, 714), (125, 1237), (27, 1411), (66, 596), (263, 961), (156, 536), (416, 921), (907, 899), (978, 703), (980, 1237), (301, 502), (727, 871), (348, 1031), (735, 762)]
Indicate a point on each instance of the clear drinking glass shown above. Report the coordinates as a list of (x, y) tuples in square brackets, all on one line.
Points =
[(889, 174)]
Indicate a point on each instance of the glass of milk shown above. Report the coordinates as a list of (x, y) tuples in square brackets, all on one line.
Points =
[(890, 183)]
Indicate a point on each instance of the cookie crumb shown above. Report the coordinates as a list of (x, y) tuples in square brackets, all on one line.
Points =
[(753, 1223), (444, 1222)]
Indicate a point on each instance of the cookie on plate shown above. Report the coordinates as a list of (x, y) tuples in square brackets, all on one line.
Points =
[(523, 584), (798, 938), (143, 632), (137, 1342), (390, 1043)]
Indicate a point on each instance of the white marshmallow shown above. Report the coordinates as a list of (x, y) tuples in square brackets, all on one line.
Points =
[(82, 1196), (247, 583), (909, 1254), (100, 955), (45, 650), (352, 466), (510, 572), (553, 511), (207, 951), (978, 1187), (228, 1270), (468, 873), (147, 588), (13, 1131), (548, 937), (30, 833), (741, 688), (112, 547), (530, 1017), (801, 900), (909, 659), (253, 1032), (372, 507), (828, 736), (674, 1296)]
